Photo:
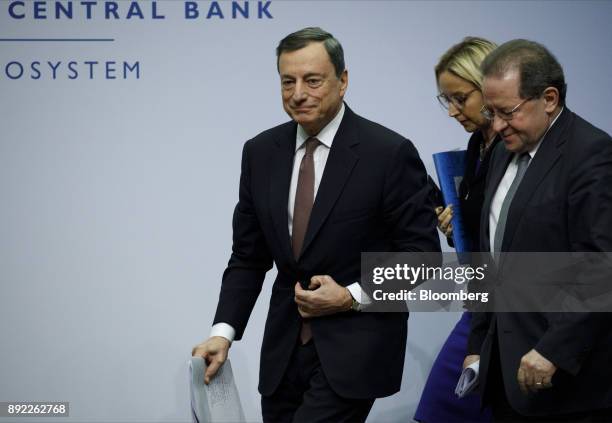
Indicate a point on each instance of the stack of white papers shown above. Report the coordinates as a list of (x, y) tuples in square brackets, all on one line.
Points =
[(217, 401), (468, 381)]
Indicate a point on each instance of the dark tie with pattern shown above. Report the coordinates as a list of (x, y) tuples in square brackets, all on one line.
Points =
[(523, 162), (304, 199)]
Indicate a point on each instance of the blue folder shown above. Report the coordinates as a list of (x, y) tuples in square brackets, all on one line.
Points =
[(450, 166)]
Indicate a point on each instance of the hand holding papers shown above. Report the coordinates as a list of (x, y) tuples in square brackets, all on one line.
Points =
[(468, 381), (218, 401)]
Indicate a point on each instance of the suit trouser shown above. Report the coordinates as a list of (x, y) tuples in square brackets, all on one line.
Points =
[(304, 394), (503, 411)]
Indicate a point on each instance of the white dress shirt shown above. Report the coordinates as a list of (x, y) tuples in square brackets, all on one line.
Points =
[(504, 187), (326, 138)]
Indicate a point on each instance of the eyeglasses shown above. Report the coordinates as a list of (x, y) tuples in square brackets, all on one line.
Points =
[(456, 100), (507, 116)]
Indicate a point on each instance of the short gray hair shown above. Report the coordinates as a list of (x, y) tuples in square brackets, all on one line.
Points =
[(538, 68), (303, 37)]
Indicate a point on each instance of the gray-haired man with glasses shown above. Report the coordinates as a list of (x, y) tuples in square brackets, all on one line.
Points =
[(548, 191), (503, 115)]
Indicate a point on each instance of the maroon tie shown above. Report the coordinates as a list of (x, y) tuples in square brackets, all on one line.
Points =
[(304, 199)]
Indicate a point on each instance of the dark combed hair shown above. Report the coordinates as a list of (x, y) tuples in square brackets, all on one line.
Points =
[(303, 37), (538, 68)]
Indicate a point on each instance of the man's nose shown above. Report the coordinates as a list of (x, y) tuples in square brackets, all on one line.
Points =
[(299, 92), (499, 124)]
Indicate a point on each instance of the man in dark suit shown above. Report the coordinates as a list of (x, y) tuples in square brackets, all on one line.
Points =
[(314, 193), (548, 191)]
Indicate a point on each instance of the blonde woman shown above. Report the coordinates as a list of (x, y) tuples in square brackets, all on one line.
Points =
[(459, 82)]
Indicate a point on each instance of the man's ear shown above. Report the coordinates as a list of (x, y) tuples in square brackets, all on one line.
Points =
[(343, 82), (551, 98)]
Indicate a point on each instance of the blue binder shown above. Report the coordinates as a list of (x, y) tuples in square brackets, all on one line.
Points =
[(450, 166)]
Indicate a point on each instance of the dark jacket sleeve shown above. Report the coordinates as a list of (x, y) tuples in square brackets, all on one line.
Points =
[(572, 335), (479, 325), (250, 259), (408, 211)]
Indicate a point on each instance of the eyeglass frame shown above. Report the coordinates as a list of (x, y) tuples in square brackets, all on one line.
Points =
[(450, 99), (490, 115)]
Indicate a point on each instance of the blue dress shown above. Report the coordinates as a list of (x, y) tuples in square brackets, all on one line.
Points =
[(438, 403)]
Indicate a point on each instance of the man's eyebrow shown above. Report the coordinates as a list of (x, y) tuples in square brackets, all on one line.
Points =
[(491, 106), (504, 109), (305, 76), (308, 75)]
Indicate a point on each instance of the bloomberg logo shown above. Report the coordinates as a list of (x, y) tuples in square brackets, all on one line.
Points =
[(87, 10)]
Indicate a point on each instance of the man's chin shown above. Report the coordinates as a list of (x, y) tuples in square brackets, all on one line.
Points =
[(299, 116), (513, 145), (303, 120)]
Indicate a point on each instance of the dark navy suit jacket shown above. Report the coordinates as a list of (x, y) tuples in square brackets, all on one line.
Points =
[(563, 204), (373, 196)]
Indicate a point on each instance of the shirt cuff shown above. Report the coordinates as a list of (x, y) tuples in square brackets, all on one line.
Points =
[(224, 330), (359, 295)]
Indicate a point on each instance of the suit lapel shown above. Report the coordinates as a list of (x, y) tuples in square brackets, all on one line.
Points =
[(340, 162), (547, 155), (281, 165)]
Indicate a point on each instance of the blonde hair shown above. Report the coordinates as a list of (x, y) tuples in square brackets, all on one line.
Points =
[(464, 59)]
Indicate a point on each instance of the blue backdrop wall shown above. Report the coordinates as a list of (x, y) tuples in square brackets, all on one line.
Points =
[(119, 165)]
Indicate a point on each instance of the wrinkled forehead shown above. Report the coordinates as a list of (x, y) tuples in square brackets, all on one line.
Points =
[(313, 58), (501, 91)]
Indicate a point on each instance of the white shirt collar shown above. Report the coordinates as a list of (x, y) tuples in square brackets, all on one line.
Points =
[(533, 152), (325, 135)]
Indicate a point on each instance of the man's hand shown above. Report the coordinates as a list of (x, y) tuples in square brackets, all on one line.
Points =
[(214, 352), (324, 297), (535, 372), (444, 220), (470, 359)]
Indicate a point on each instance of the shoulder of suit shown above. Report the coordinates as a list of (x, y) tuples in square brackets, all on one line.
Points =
[(370, 131), (583, 140), (587, 131), (284, 130)]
